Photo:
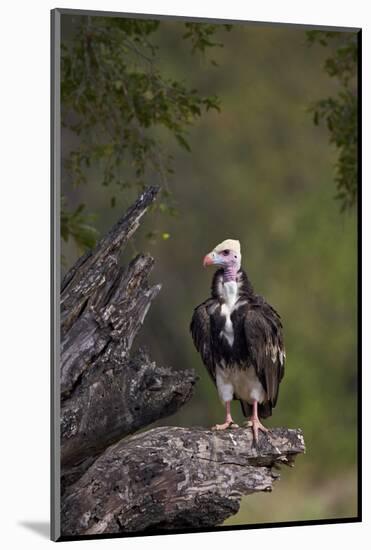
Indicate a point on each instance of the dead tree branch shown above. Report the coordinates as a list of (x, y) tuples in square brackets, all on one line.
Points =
[(107, 392), (174, 478)]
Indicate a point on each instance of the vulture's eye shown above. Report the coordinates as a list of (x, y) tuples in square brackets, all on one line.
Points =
[(225, 252)]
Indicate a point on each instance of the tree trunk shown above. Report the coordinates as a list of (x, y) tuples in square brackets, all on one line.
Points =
[(165, 478)]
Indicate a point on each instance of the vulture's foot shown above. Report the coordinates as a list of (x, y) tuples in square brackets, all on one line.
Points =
[(229, 424), (256, 425)]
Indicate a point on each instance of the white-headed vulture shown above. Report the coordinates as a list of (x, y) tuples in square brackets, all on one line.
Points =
[(239, 337)]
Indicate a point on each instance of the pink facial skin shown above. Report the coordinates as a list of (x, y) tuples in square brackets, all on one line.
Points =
[(228, 260)]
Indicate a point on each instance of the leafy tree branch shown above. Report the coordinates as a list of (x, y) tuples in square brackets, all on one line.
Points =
[(339, 113), (119, 103)]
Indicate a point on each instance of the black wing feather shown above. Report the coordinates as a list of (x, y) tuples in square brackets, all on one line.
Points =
[(263, 331), (201, 334)]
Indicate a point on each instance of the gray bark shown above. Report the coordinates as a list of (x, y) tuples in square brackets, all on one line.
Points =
[(102, 304), (175, 478), (114, 400)]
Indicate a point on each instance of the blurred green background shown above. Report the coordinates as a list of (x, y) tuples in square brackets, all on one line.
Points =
[(260, 171)]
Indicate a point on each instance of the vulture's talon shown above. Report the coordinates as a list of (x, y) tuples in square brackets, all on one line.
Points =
[(226, 426), (256, 425)]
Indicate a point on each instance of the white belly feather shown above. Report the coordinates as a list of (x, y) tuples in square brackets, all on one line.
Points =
[(241, 383)]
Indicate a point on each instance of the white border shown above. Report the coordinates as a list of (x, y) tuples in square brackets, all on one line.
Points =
[(25, 285)]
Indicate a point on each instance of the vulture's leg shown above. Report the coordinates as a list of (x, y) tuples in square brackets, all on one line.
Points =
[(255, 422), (229, 423)]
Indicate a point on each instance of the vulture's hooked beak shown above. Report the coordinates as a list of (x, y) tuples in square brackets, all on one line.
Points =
[(209, 259)]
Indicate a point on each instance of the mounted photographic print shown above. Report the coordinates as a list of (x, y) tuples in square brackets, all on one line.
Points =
[(205, 203)]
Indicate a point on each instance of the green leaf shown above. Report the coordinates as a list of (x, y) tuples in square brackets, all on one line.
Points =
[(183, 142)]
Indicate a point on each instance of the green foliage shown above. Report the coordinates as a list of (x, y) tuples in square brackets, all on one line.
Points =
[(116, 100), (202, 36), (340, 112)]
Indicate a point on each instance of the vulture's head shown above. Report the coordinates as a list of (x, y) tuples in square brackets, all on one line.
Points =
[(226, 255)]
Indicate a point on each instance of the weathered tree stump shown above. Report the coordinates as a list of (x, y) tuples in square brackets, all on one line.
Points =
[(165, 478)]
